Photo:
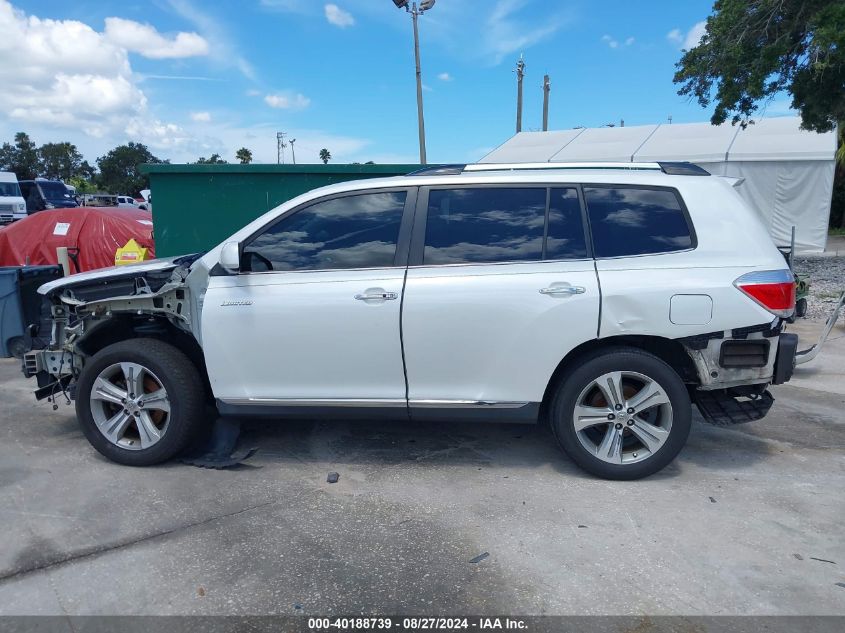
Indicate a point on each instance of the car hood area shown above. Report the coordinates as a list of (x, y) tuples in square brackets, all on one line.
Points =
[(114, 272)]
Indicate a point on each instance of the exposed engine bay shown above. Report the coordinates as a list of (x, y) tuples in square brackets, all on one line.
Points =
[(137, 300)]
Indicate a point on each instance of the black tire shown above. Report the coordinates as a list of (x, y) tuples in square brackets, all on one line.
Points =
[(626, 359), (178, 376), (801, 308)]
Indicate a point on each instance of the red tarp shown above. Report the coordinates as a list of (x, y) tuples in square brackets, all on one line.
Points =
[(96, 232)]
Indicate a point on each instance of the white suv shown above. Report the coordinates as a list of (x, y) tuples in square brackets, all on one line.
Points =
[(604, 299)]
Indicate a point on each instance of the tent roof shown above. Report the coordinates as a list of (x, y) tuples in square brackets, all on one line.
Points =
[(605, 144), (782, 139), (775, 139), (695, 142)]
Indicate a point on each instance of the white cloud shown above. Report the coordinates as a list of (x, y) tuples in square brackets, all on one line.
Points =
[(287, 101), (445, 77), (201, 117), (147, 41), (64, 73), (614, 43), (252, 92), (505, 34), (609, 41), (337, 16), (224, 51), (690, 39)]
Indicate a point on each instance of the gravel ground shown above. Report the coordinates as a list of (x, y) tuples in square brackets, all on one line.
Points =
[(827, 281)]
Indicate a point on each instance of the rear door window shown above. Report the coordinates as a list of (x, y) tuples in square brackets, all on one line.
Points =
[(478, 225), (636, 221)]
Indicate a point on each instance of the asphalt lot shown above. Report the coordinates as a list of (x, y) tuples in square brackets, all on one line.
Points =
[(747, 521)]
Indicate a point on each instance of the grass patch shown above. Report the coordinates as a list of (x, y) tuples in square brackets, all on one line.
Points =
[(839, 231)]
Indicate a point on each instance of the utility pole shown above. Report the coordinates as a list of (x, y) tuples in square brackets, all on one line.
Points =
[(416, 12), (420, 119), (546, 88), (293, 153), (520, 73), (280, 147)]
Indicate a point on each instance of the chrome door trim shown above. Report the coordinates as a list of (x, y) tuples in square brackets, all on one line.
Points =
[(385, 402), (463, 404), (317, 402)]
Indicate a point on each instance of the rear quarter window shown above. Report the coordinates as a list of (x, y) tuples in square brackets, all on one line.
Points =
[(637, 221)]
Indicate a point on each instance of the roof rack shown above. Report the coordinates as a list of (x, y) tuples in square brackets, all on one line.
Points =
[(670, 168)]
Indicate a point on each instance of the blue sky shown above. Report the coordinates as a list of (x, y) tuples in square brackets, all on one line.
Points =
[(190, 78)]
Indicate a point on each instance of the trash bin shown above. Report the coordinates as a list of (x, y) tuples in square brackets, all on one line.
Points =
[(20, 305)]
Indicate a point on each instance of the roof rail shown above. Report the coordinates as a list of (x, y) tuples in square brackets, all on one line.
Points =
[(670, 168), (584, 165)]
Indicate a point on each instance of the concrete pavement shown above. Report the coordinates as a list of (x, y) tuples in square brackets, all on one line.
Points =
[(747, 521)]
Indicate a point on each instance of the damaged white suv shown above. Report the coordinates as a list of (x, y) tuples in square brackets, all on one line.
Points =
[(604, 299)]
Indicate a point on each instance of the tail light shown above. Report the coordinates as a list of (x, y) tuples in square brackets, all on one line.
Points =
[(772, 289)]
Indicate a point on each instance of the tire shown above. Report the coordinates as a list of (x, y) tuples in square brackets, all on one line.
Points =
[(801, 308), (651, 437), (168, 419)]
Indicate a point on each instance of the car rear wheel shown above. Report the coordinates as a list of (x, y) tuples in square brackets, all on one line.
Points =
[(139, 402), (622, 414)]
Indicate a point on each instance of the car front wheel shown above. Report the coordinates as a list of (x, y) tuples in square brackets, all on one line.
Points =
[(622, 414), (139, 401)]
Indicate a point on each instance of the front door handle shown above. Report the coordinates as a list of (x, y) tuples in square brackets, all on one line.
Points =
[(377, 294), (563, 290)]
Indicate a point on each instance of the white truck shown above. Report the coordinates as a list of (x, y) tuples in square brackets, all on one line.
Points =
[(603, 299), (12, 204)]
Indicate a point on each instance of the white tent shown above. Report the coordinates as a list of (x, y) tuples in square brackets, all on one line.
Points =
[(788, 172)]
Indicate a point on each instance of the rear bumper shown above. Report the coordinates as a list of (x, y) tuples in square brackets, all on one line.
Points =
[(785, 359)]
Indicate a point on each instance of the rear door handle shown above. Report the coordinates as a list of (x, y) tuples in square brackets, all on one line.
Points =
[(563, 290), (375, 295)]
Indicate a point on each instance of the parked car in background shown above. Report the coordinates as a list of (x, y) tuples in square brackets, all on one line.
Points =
[(41, 194), (99, 200), (12, 204), (127, 202), (605, 299)]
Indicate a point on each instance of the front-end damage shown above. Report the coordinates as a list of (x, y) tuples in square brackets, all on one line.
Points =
[(87, 313)]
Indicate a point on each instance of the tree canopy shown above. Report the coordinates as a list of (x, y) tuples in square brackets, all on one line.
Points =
[(119, 169), (753, 50), (325, 156), (244, 156), (214, 159)]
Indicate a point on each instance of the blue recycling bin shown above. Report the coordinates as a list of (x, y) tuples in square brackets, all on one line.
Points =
[(20, 304)]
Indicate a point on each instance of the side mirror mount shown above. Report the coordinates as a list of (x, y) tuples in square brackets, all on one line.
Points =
[(230, 257)]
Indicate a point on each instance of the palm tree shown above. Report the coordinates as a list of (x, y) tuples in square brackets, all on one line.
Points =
[(244, 155), (325, 156)]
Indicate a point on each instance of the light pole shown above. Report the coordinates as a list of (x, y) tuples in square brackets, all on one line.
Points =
[(415, 12)]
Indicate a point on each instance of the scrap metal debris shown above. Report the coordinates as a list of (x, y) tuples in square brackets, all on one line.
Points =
[(480, 557)]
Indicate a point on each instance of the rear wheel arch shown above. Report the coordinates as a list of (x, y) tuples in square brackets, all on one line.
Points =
[(670, 351)]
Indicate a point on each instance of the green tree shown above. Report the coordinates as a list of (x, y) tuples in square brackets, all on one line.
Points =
[(60, 161), (21, 158), (119, 169), (214, 159), (244, 156), (325, 156), (83, 185), (753, 50)]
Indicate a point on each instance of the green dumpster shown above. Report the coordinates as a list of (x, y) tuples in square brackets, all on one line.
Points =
[(195, 207)]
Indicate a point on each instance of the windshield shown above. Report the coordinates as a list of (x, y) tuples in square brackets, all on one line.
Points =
[(53, 190), (10, 189)]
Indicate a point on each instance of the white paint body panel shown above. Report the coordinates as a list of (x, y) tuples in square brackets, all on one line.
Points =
[(472, 332), (303, 335), (486, 333)]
